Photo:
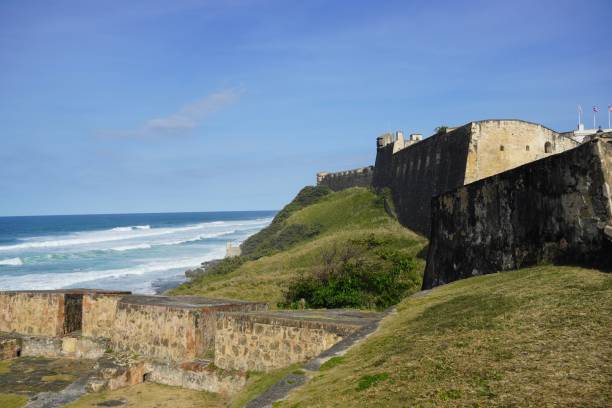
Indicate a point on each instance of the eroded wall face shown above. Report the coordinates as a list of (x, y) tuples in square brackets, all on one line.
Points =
[(420, 171), (551, 210), (348, 179), (160, 332), (99, 313), (245, 344), (500, 145), (38, 314)]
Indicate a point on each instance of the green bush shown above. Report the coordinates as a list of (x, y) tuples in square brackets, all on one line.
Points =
[(363, 273), (226, 265)]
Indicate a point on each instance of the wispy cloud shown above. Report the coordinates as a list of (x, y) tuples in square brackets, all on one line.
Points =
[(186, 118)]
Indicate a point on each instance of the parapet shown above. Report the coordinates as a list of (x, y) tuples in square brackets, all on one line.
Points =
[(47, 312), (263, 341), (171, 328), (361, 177)]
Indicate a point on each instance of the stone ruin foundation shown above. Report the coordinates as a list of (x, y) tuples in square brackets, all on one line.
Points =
[(187, 341)]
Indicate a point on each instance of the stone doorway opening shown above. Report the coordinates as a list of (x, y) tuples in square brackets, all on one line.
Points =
[(73, 313)]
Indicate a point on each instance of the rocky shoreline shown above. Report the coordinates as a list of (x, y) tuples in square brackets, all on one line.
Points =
[(162, 286)]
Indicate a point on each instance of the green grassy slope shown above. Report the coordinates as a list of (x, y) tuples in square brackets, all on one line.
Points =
[(535, 337), (337, 218)]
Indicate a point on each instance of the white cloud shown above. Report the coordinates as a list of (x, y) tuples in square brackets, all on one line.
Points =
[(186, 118)]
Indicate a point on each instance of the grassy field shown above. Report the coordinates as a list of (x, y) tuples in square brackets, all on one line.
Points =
[(537, 337), (339, 217)]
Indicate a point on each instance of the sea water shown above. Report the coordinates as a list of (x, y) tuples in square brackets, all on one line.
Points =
[(137, 252)]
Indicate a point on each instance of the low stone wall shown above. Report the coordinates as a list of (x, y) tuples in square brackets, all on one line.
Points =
[(34, 313), (341, 180), (9, 347), (180, 328), (199, 376), (99, 312), (265, 342), (56, 312), (552, 210)]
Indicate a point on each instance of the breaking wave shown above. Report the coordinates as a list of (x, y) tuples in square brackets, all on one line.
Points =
[(127, 233), (11, 262)]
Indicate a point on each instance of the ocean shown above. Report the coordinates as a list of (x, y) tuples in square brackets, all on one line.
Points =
[(137, 252)]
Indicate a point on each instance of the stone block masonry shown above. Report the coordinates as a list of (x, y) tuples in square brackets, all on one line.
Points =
[(361, 177), (99, 312), (266, 341), (448, 160), (557, 209), (180, 328), (45, 312)]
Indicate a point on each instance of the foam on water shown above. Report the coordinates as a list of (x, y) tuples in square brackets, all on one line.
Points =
[(117, 234), (120, 256), (11, 262)]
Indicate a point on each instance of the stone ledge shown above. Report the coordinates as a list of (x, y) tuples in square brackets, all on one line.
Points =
[(338, 321), (185, 302)]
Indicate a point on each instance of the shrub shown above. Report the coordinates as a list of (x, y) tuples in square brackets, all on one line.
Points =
[(362, 273)]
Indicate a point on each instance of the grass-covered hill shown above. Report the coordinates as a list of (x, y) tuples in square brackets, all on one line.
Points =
[(538, 337), (330, 248)]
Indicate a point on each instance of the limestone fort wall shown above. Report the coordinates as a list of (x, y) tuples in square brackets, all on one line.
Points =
[(263, 343), (32, 313), (552, 210), (361, 177), (500, 145), (99, 313), (179, 328), (420, 171), (451, 159), (49, 312)]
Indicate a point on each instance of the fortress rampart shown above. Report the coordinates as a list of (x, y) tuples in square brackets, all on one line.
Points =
[(557, 209), (194, 342), (361, 177), (456, 157), (417, 169)]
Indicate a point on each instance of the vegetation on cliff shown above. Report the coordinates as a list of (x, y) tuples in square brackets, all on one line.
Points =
[(533, 337), (348, 252)]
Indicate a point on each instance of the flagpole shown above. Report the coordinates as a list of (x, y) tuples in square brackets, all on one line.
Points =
[(609, 109)]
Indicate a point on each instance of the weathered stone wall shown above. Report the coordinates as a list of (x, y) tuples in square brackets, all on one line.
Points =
[(420, 171), (99, 312), (552, 210), (158, 331), (446, 161), (179, 328), (361, 177), (35, 313), (10, 347), (500, 145), (196, 376), (261, 343)]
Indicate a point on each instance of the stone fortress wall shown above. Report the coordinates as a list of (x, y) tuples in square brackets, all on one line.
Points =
[(458, 156), (500, 194), (558, 209), (361, 177), (181, 340)]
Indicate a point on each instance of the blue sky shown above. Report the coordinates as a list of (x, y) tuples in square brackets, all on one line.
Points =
[(147, 106)]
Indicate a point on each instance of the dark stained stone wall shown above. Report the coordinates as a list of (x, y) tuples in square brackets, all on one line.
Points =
[(347, 179), (551, 210), (418, 172)]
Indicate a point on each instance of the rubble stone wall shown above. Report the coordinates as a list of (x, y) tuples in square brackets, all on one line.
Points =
[(246, 342), (32, 313)]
